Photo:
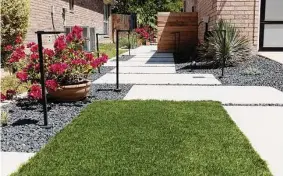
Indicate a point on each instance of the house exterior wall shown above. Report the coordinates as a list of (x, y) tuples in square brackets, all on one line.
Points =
[(189, 4), (243, 13), (85, 13), (206, 8)]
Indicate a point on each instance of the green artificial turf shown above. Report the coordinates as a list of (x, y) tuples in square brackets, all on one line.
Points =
[(110, 49), (148, 138)]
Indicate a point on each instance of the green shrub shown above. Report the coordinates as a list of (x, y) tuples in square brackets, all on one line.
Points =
[(14, 21), (235, 49)]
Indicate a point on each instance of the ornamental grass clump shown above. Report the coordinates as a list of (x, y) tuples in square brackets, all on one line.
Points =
[(66, 64), (233, 46)]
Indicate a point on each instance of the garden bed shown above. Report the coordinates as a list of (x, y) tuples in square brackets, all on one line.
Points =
[(257, 71), (24, 134)]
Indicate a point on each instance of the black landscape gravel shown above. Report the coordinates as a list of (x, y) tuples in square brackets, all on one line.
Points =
[(24, 133), (257, 71)]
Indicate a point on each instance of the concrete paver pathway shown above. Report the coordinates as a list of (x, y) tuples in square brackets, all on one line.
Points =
[(224, 94), (11, 161), (263, 126), (158, 79), (276, 56), (141, 64), (145, 70)]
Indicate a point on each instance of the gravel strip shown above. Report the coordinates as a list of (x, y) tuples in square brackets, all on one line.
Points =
[(124, 58), (257, 71), (232, 104), (24, 133)]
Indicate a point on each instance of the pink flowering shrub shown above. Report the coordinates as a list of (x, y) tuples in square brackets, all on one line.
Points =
[(143, 33), (67, 64)]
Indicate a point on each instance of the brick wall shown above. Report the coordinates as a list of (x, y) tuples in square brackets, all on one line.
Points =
[(243, 13), (206, 8), (85, 13)]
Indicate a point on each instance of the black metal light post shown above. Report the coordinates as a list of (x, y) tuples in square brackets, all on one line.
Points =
[(224, 54), (177, 36), (129, 43), (97, 47), (117, 89), (42, 78)]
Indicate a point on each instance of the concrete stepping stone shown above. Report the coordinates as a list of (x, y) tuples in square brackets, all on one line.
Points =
[(224, 94), (159, 79), (154, 54), (152, 59), (145, 70), (141, 64), (146, 60), (11, 161), (263, 126)]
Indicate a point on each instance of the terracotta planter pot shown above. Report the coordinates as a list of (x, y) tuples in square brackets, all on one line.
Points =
[(71, 92), (147, 43)]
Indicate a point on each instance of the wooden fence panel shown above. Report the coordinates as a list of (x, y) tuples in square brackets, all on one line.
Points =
[(119, 22), (168, 23)]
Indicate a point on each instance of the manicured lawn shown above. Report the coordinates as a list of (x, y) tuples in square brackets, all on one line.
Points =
[(110, 49), (148, 138)]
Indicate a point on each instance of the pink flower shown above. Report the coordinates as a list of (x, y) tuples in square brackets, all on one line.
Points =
[(35, 92), (34, 48), (23, 76), (89, 56), (79, 62), (69, 38), (29, 45), (104, 58), (77, 32), (8, 48), (10, 94), (3, 97), (51, 85), (37, 67), (95, 63), (49, 52), (19, 39), (34, 56), (60, 43), (58, 68), (18, 54)]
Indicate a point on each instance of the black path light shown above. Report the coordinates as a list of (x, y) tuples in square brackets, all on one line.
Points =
[(97, 46), (117, 89), (42, 76), (224, 53)]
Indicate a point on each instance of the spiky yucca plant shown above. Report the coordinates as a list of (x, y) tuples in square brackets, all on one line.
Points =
[(234, 48)]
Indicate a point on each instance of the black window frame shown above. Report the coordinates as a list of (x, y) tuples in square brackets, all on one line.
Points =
[(71, 5), (263, 22)]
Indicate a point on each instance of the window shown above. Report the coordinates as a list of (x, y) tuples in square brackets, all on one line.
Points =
[(71, 5), (106, 18), (88, 35)]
